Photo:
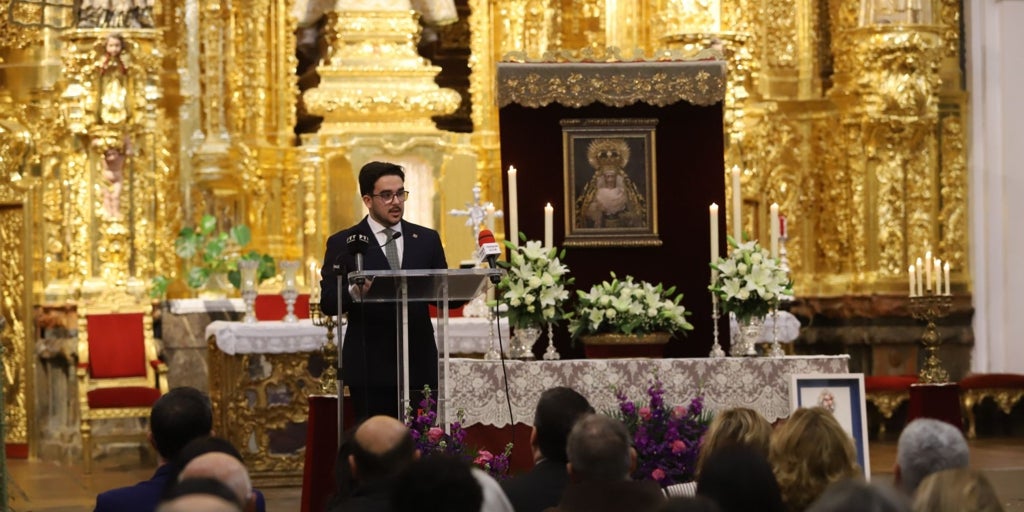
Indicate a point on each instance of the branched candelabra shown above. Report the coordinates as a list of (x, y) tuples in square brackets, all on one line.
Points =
[(930, 308), (329, 377)]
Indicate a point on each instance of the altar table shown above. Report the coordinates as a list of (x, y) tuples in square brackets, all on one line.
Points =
[(477, 387)]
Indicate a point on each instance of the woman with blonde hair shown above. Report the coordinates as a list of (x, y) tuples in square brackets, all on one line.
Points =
[(956, 490), (809, 452), (739, 426)]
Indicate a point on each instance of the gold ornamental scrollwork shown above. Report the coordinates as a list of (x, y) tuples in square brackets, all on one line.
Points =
[(614, 84)]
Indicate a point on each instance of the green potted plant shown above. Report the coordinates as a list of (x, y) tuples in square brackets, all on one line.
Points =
[(212, 256)]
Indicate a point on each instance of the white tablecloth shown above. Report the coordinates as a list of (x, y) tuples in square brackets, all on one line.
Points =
[(465, 336), (186, 306), (477, 387)]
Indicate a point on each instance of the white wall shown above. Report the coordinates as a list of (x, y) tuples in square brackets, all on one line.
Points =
[(995, 61)]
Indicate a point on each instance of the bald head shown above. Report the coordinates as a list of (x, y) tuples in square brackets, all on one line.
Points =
[(198, 503), (221, 467), (382, 447)]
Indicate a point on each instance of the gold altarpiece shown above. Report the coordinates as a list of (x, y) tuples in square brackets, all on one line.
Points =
[(831, 107)]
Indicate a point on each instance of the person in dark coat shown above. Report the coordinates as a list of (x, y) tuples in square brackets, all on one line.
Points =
[(369, 356), (557, 411)]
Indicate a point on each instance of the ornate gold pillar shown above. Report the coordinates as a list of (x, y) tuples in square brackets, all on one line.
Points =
[(377, 97)]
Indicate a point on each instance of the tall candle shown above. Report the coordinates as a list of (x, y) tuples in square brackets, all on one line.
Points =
[(938, 276), (920, 280), (549, 226), (945, 270), (713, 211), (513, 206), (913, 278), (927, 269), (773, 220), (737, 201), (490, 217)]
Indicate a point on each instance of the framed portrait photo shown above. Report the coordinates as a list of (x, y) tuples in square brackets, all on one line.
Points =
[(843, 395), (610, 182)]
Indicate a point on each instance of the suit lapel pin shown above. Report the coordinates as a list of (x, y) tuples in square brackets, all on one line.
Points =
[(415, 235)]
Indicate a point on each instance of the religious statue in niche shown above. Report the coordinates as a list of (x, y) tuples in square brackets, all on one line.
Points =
[(112, 182), (113, 105), (116, 14), (610, 199)]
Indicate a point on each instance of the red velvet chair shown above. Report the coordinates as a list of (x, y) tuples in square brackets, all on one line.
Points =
[(119, 375), (887, 393), (272, 307), (1005, 389)]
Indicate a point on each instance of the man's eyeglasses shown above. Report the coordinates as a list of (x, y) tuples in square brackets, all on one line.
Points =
[(388, 196)]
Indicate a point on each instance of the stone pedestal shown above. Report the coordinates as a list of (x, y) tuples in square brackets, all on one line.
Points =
[(183, 332)]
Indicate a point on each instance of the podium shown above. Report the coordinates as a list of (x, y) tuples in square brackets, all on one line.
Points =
[(420, 285)]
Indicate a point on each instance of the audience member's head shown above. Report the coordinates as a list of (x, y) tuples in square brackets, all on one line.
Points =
[(689, 504), (557, 412), (599, 449), (178, 417), (739, 426), (809, 452), (381, 448), (223, 468), (344, 482), (437, 483), (956, 490), (738, 478), (235, 474), (927, 446), (854, 495), (200, 495)]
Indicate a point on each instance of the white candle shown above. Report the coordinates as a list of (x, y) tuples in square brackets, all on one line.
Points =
[(490, 217), (927, 269), (513, 207), (713, 211), (938, 276), (920, 280), (945, 270), (549, 226), (913, 278), (737, 201), (773, 219)]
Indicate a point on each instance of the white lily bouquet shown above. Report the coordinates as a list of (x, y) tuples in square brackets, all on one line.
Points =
[(535, 285), (750, 282), (626, 306)]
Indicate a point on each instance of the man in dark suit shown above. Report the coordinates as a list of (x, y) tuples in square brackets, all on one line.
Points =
[(369, 356), (542, 487), (381, 450), (178, 417)]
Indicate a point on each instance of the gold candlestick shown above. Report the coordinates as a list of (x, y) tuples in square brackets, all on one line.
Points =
[(329, 377), (930, 308)]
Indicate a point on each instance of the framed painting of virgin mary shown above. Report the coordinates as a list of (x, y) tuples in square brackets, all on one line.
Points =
[(610, 182)]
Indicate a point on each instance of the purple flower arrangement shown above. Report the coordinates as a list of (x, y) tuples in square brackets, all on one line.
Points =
[(667, 439), (430, 438)]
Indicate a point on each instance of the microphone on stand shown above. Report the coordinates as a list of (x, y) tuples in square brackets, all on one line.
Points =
[(489, 250), (357, 243)]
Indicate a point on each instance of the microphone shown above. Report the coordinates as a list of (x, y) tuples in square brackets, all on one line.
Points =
[(489, 250), (357, 243)]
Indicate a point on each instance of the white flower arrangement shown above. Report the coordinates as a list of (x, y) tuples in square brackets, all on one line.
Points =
[(534, 288), (750, 282), (625, 306)]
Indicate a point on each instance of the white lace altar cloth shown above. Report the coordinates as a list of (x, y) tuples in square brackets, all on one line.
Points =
[(465, 336), (478, 388), (186, 306)]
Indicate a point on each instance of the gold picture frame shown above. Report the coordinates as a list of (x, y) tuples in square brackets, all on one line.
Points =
[(610, 182)]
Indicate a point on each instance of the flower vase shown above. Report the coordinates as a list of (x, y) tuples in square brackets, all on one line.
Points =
[(522, 342), (217, 287), (617, 346), (745, 342)]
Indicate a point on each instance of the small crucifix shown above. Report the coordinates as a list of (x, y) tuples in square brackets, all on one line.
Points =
[(478, 213)]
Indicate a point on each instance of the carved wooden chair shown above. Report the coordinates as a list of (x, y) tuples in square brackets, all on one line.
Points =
[(119, 375), (1005, 389)]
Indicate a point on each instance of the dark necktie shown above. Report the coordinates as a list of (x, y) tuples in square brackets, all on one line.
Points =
[(391, 249)]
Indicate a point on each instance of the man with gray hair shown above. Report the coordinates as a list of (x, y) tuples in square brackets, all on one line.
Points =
[(927, 446), (601, 457)]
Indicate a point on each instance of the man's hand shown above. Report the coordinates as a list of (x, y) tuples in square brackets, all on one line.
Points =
[(359, 290)]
